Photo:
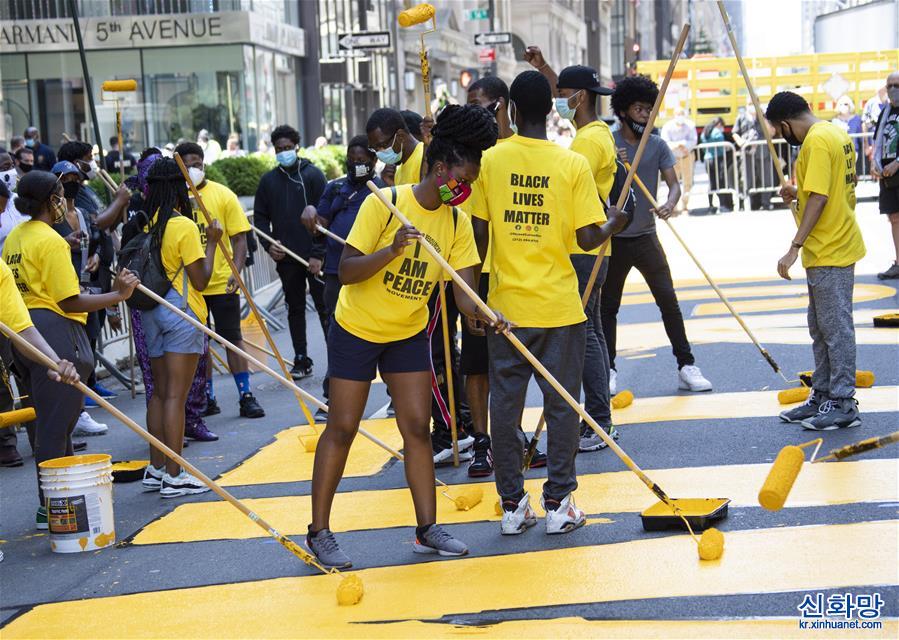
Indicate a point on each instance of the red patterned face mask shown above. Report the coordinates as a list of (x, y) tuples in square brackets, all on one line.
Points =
[(453, 192)]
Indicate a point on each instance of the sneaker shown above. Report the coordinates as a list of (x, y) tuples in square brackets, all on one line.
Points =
[(10, 457), (591, 441), (435, 539), (321, 416), (690, 378), (200, 433), (184, 484), (152, 478), (834, 414), (566, 517), (482, 463), (212, 407), (323, 546), (302, 367), (442, 445), (518, 517), (103, 392), (90, 403), (87, 426), (249, 407), (40, 519), (538, 461), (808, 409), (613, 382), (79, 446), (391, 412), (891, 273)]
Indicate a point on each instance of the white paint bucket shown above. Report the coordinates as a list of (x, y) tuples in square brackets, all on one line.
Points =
[(78, 497)]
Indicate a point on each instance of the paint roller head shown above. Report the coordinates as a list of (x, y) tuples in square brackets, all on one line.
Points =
[(309, 443), (350, 591), (498, 508), (119, 86), (864, 379), (469, 498), (622, 399), (781, 477), (711, 544), (416, 15), (792, 396)]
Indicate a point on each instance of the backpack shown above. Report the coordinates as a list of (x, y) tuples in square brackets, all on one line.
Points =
[(140, 257)]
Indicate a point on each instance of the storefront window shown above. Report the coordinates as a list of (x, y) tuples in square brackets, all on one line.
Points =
[(265, 92), (14, 107)]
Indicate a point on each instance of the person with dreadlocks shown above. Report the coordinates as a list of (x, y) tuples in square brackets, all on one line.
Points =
[(173, 344), (42, 267), (381, 317)]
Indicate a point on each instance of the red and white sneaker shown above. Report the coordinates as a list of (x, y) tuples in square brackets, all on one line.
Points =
[(563, 519)]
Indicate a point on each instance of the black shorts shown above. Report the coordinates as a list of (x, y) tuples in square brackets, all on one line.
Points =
[(224, 314), (474, 360), (889, 199), (352, 358)]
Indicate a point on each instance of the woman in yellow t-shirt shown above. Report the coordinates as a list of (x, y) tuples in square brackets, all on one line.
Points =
[(381, 316), (40, 261), (173, 344)]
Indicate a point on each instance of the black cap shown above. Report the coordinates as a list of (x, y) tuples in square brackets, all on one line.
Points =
[(580, 77)]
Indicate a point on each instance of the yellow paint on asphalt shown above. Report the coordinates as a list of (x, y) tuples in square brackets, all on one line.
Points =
[(755, 561), (285, 460), (603, 493), (862, 293)]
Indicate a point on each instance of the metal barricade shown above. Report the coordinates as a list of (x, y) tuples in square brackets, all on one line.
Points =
[(863, 143), (757, 170), (720, 162)]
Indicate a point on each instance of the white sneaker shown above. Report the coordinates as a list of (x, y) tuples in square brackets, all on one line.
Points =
[(184, 484), (613, 382), (564, 519), (690, 378), (520, 520), (152, 478), (87, 426)]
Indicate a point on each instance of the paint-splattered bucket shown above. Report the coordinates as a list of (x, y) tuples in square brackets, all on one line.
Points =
[(78, 498)]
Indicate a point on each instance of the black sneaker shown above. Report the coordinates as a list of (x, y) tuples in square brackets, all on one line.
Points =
[(79, 446), (482, 464), (834, 414), (891, 273), (200, 433), (591, 441), (442, 444), (391, 412), (302, 367), (249, 407), (212, 407), (323, 546), (321, 416), (538, 461), (805, 411)]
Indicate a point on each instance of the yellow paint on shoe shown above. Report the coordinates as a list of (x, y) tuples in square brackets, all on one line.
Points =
[(862, 293), (603, 493), (756, 561)]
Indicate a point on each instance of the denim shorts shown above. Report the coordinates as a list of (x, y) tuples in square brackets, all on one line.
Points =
[(167, 332), (352, 358)]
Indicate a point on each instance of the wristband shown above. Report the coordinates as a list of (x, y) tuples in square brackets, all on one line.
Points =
[(796, 245)]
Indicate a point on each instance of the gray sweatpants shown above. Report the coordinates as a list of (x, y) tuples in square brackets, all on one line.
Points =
[(561, 350), (833, 334), (56, 404), (596, 354)]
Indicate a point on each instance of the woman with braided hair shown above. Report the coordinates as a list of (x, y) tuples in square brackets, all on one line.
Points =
[(381, 316)]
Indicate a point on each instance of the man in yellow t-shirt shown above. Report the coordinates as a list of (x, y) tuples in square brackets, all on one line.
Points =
[(390, 138), (222, 297), (540, 201), (831, 244)]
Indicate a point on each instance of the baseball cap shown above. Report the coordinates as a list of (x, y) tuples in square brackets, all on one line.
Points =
[(580, 77), (64, 167)]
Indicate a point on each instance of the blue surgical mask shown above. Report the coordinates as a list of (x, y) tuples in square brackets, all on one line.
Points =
[(287, 158), (29, 142), (565, 110), (388, 155)]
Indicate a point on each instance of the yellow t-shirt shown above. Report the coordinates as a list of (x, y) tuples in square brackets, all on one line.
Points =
[(595, 142), (537, 195), (826, 166), (41, 263), (13, 312), (181, 245), (410, 171), (393, 304), (477, 201), (222, 205)]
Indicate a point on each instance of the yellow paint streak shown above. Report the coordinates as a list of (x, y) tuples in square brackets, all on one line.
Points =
[(636, 284), (615, 492), (733, 293), (756, 561), (285, 460), (862, 293)]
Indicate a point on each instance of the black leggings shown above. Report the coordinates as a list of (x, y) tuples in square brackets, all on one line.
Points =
[(294, 277)]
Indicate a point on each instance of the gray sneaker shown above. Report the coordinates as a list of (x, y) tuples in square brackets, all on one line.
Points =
[(808, 409), (834, 414), (891, 273), (435, 539), (323, 546), (590, 440)]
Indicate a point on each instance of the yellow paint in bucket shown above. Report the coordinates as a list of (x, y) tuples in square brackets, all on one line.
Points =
[(780, 479), (78, 495)]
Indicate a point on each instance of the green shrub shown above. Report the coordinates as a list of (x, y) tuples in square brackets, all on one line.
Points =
[(331, 159), (215, 173), (243, 174)]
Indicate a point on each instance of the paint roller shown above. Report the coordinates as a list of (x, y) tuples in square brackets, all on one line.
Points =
[(416, 15), (863, 380), (18, 416), (788, 464), (120, 86), (350, 590)]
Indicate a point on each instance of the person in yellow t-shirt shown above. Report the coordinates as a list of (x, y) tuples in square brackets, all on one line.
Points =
[(389, 137), (173, 344), (540, 202), (831, 244), (40, 261), (222, 297), (381, 317)]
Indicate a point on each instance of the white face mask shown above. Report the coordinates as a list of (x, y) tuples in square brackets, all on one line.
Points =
[(91, 173), (10, 178), (196, 175)]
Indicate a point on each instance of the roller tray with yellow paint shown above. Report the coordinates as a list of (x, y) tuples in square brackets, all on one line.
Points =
[(128, 470), (701, 513)]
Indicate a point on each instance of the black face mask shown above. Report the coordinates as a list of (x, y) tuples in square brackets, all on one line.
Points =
[(25, 168), (359, 172), (70, 190), (635, 126), (791, 139)]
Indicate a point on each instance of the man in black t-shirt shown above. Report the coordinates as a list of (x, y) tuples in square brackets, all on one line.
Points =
[(885, 166)]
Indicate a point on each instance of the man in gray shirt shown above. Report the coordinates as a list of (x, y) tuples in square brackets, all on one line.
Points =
[(638, 245)]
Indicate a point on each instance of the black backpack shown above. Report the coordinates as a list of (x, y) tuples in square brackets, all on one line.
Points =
[(143, 259)]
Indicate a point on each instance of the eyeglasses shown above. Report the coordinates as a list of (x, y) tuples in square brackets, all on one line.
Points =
[(384, 145), (893, 86)]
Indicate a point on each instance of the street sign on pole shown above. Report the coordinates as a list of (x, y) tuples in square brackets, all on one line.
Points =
[(477, 14), (499, 37), (487, 55), (363, 40)]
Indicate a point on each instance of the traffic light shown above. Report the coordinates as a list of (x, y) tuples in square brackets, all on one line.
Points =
[(467, 77)]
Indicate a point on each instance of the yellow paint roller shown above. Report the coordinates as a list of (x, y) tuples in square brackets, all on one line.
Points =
[(19, 416), (794, 395), (863, 379), (622, 399), (119, 86), (416, 15)]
